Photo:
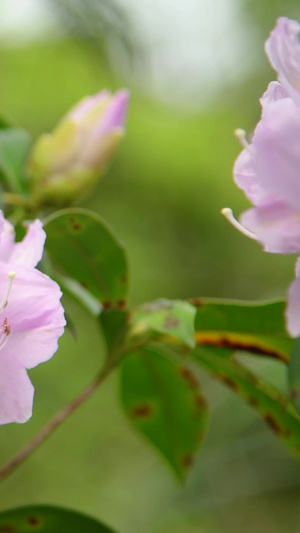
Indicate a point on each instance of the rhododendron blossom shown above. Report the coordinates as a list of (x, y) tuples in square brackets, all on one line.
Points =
[(31, 318), (268, 169)]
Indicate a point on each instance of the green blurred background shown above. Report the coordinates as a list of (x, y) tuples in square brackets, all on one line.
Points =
[(195, 69)]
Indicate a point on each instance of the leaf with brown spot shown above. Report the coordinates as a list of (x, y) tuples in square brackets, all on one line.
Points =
[(253, 327), (142, 411), (273, 407), (82, 247), (173, 319), (163, 400), (46, 519)]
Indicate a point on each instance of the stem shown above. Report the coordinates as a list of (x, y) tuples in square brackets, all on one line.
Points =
[(54, 423)]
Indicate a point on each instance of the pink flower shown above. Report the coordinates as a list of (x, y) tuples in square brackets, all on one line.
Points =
[(31, 318), (268, 169)]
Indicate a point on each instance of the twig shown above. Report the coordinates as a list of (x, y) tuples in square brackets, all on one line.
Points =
[(54, 423)]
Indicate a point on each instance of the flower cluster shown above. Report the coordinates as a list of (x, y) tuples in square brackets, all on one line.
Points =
[(31, 318), (268, 168)]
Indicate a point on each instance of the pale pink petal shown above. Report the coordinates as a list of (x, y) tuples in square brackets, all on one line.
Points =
[(277, 227), (34, 314), (275, 91), (29, 251), (94, 146), (246, 178), (292, 312), (115, 114), (31, 318), (34, 300), (34, 346), (79, 112), (283, 50), (2, 222), (277, 153), (7, 238), (16, 391)]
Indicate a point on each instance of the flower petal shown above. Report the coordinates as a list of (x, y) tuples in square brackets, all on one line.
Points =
[(34, 346), (292, 312), (35, 315), (277, 154), (34, 300), (7, 238), (16, 391), (246, 178), (29, 251), (275, 91), (115, 114), (83, 108), (277, 227), (283, 51)]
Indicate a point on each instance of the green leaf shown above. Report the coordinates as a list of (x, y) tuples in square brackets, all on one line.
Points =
[(173, 318), (294, 373), (73, 289), (254, 327), (113, 324), (162, 398), (48, 519), (275, 408), (14, 145), (82, 247)]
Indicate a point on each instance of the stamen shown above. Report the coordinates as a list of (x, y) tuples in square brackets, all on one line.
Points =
[(240, 134), (11, 277), (227, 212), (5, 327), (6, 331)]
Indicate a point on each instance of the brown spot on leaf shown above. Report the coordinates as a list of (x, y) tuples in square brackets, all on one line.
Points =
[(142, 411), (121, 304), (84, 284), (200, 401), (189, 377), (33, 521), (171, 321), (106, 304), (197, 302), (253, 401), (124, 278), (237, 343), (273, 424), (229, 382), (187, 461), (7, 528), (77, 227)]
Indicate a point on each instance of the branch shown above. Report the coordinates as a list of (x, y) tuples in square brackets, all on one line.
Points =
[(54, 423)]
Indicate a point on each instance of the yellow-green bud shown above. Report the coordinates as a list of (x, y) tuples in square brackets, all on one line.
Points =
[(64, 164)]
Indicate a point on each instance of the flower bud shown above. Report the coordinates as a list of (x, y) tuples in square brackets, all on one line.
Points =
[(64, 164)]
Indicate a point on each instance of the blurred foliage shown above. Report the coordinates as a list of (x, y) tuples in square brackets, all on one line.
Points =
[(103, 24), (162, 196)]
